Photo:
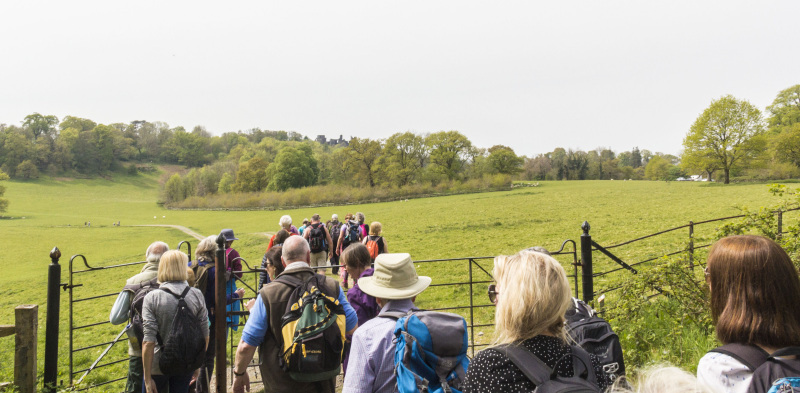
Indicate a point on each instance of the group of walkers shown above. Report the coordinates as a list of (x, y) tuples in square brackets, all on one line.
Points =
[(309, 327)]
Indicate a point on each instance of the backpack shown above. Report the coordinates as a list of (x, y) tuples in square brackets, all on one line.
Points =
[(430, 351), (135, 330), (770, 373), (335, 230), (201, 276), (545, 378), (313, 330), (594, 335), (373, 246), (185, 347), (316, 238), (353, 233)]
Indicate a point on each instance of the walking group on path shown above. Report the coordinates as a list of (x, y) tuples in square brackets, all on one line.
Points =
[(309, 327)]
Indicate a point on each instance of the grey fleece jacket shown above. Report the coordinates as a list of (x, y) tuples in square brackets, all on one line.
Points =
[(159, 308)]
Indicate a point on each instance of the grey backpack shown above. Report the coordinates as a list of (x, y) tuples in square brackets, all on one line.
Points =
[(546, 379)]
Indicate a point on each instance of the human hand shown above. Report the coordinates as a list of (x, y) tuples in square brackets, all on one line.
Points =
[(240, 383), (239, 293), (250, 304), (150, 385)]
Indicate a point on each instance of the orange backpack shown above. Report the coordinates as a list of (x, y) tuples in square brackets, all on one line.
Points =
[(372, 246)]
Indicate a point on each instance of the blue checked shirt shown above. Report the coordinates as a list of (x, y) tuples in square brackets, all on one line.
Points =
[(371, 365)]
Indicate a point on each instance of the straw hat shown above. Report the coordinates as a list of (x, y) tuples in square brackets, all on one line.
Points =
[(394, 278)]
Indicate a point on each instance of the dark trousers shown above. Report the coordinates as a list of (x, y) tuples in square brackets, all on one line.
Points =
[(135, 375), (335, 261), (207, 369), (175, 383)]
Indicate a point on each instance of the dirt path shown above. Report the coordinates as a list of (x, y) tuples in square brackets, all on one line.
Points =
[(178, 227)]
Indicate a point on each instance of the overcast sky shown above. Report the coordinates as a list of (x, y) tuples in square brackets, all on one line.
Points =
[(531, 75)]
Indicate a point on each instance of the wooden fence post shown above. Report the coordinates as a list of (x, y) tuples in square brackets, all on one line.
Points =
[(27, 326)]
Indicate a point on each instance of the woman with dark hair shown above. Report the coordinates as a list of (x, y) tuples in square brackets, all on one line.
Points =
[(358, 262), (755, 291), (272, 265)]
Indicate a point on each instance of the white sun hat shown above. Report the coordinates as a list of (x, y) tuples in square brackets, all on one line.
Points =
[(394, 278)]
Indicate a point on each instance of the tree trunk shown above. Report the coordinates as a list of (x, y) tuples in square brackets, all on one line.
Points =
[(727, 176)]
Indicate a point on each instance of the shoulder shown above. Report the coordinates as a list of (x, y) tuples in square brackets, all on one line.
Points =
[(723, 373), (376, 329)]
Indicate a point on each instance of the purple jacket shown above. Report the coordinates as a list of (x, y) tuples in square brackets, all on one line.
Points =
[(365, 305)]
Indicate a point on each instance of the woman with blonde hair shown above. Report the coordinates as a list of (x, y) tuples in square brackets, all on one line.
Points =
[(158, 310), (375, 243), (532, 294), (755, 291)]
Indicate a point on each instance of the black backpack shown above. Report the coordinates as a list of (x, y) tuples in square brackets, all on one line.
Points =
[(353, 233), (335, 231), (185, 347), (135, 329), (316, 238), (545, 378), (771, 374), (313, 330), (594, 334)]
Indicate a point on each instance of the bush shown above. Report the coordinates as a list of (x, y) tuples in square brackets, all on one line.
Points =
[(27, 170)]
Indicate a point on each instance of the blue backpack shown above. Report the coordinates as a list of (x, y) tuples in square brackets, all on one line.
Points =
[(431, 351)]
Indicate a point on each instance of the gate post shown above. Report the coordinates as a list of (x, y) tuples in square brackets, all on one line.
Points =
[(53, 315), (780, 224), (27, 326), (586, 263), (691, 245), (219, 317)]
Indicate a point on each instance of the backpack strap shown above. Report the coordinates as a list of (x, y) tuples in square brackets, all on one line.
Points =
[(749, 355), (788, 351), (534, 369), (584, 365)]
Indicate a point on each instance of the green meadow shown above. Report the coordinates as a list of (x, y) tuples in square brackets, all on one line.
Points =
[(49, 213)]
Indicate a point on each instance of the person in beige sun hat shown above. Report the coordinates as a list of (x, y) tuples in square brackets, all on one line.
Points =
[(395, 285)]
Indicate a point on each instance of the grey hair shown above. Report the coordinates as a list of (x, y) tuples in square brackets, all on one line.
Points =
[(539, 250), (155, 250), (360, 217), (661, 379), (295, 249), (206, 248), (285, 222), (335, 217)]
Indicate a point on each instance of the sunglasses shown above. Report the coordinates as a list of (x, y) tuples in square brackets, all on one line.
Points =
[(492, 292)]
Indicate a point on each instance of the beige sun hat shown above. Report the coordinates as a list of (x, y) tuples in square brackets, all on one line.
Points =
[(394, 278)]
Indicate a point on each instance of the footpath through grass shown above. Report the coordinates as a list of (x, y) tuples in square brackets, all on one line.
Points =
[(50, 213)]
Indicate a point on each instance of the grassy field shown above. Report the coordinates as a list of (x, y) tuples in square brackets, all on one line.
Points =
[(49, 213)]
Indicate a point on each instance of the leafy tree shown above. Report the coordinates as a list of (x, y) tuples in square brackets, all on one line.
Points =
[(225, 183), (577, 165), (658, 168), (292, 168), (729, 132), (77, 123), (786, 144), (504, 160), (40, 125), (14, 148), (251, 176), (174, 190), (404, 155), (449, 151), (362, 158), (3, 201), (785, 109), (636, 157), (538, 167), (27, 170)]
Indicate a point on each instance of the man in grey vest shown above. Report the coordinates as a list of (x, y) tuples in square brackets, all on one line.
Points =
[(264, 326), (119, 313)]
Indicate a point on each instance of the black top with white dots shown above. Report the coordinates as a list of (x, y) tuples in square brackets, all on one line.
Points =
[(491, 371)]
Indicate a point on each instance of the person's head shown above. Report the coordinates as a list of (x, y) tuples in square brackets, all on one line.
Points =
[(273, 262), (348, 217), (285, 222), (295, 249), (335, 218), (538, 249), (755, 290), (305, 222), (155, 250), (229, 236), (356, 258), (395, 278), (315, 218), (281, 237), (173, 266), (375, 228), (532, 296), (206, 249), (360, 217), (661, 379)]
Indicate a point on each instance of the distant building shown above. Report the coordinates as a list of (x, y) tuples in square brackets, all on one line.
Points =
[(322, 139)]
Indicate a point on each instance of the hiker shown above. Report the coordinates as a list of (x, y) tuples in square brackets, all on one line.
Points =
[(358, 261), (205, 276), (395, 285), (362, 224), (233, 264), (334, 228), (304, 226), (754, 290), (350, 234), (319, 241), (532, 295), (286, 224), (277, 240), (159, 312), (120, 312), (375, 243), (263, 327)]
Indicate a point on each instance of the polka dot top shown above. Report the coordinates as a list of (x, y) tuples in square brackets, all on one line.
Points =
[(491, 371)]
